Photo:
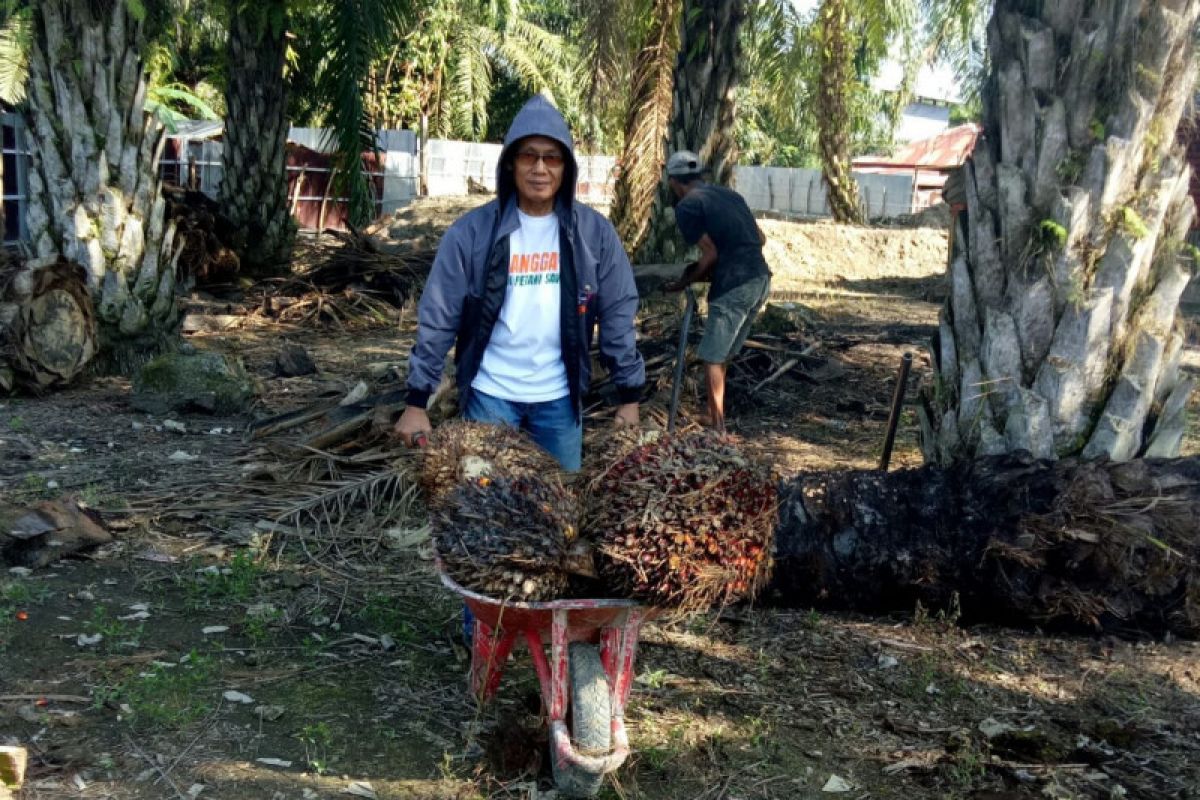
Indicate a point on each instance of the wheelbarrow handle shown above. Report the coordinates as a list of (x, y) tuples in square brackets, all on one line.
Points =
[(680, 359)]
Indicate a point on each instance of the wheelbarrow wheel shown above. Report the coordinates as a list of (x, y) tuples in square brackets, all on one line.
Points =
[(591, 720)]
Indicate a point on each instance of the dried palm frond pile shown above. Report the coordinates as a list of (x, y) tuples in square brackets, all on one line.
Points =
[(462, 451), (508, 538), (686, 522), (207, 252)]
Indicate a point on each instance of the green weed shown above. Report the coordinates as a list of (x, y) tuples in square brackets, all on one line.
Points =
[(316, 738), (380, 615)]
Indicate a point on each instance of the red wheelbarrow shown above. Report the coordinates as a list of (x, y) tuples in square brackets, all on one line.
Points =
[(588, 674)]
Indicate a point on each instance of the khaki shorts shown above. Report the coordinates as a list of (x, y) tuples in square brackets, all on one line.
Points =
[(730, 317)]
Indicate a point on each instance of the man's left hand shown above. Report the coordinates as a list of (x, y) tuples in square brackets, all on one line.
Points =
[(627, 414)]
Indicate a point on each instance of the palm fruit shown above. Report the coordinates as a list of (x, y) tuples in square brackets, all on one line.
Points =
[(461, 450), (508, 537), (685, 523)]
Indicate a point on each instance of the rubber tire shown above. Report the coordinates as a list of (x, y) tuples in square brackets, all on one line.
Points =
[(591, 719)]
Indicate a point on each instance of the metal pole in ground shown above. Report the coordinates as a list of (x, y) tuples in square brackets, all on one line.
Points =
[(680, 358), (897, 405)]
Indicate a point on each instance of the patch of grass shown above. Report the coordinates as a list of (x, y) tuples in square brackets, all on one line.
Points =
[(659, 754), (17, 424), (118, 634), (259, 625), (166, 695), (380, 615), (1131, 222), (97, 497), (968, 767), (33, 488), (236, 583)]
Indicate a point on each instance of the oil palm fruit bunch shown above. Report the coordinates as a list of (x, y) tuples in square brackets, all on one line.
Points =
[(460, 451), (508, 537), (686, 522)]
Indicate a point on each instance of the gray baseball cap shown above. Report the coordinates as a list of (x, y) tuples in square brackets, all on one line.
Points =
[(683, 163)]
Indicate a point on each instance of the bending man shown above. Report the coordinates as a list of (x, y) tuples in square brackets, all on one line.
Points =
[(718, 220)]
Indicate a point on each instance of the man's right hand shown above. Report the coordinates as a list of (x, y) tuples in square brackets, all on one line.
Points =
[(684, 280), (412, 425)]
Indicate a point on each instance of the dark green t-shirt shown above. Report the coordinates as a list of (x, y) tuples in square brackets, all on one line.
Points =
[(728, 221)]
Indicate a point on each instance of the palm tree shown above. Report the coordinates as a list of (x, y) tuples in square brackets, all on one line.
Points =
[(444, 70), (1061, 335), (94, 191), (836, 49), (253, 194), (706, 78)]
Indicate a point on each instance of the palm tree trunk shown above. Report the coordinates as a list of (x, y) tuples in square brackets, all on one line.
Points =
[(1062, 333), (1010, 539), (835, 55), (254, 190), (706, 77), (94, 192), (646, 122)]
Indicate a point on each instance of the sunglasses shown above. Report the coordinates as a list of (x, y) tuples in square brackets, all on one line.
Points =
[(527, 159)]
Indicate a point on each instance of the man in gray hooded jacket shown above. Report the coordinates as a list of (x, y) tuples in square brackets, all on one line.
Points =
[(519, 286)]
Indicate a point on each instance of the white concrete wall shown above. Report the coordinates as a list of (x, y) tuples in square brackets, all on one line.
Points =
[(801, 192)]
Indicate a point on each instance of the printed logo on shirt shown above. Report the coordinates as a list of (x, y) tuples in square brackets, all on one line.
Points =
[(533, 269)]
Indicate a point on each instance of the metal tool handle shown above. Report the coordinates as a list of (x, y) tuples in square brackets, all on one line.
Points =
[(680, 357)]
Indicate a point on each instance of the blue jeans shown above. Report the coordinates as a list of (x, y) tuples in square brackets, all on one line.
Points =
[(553, 424)]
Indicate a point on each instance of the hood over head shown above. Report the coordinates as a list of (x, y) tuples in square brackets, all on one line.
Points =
[(538, 117)]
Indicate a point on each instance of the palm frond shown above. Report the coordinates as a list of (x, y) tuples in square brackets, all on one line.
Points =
[(354, 32), (15, 40), (646, 123)]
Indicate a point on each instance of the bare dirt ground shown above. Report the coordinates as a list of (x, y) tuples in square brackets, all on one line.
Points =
[(213, 652)]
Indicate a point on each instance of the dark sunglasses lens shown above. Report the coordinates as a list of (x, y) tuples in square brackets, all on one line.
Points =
[(549, 159)]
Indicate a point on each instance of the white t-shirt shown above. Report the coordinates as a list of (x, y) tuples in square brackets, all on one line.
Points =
[(523, 361)]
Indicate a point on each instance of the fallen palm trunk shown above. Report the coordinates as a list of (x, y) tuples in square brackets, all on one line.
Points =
[(1077, 544)]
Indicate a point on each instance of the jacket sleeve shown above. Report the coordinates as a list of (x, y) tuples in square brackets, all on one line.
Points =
[(616, 308), (438, 315)]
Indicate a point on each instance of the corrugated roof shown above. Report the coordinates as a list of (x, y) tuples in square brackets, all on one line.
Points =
[(944, 151)]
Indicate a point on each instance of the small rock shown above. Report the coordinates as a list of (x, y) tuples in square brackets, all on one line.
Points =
[(269, 713), (991, 728), (135, 616), (387, 643), (210, 382), (85, 596), (836, 783), (181, 456), (83, 640), (293, 361), (137, 426), (194, 790), (238, 697), (356, 394), (360, 789), (20, 572), (887, 662), (274, 762), (174, 425), (208, 630), (51, 484)]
